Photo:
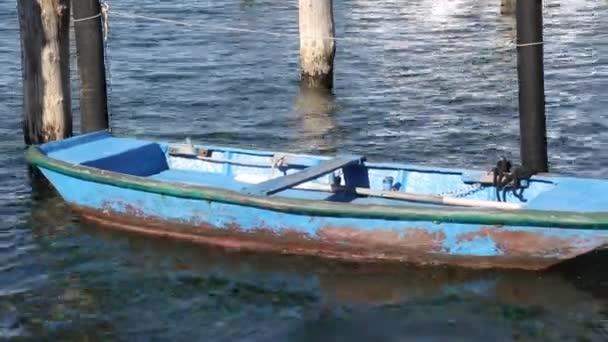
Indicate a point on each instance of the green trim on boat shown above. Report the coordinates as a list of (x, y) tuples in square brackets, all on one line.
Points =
[(523, 217)]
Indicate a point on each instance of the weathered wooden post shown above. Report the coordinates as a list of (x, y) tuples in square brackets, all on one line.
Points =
[(44, 27), (508, 6), (531, 85), (91, 66), (317, 44)]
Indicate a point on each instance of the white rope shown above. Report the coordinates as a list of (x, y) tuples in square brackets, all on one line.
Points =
[(510, 44), (103, 13), (183, 23), (87, 18), (530, 44), (228, 29)]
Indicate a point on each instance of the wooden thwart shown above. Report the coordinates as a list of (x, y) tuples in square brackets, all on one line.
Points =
[(421, 198), (405, 196), (275, 185), (454, 201)]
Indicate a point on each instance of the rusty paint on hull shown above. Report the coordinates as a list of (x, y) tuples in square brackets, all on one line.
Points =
[(525, 243), (417, 247), (413, 239)]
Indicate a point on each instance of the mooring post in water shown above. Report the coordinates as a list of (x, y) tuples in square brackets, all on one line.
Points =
[(507, 6), (531, 85), (44, 27), (91, 68), (317, 44)]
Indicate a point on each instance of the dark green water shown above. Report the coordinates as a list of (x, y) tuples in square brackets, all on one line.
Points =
[(429, 82)]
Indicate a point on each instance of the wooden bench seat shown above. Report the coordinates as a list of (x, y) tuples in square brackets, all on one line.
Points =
[(275, 185)]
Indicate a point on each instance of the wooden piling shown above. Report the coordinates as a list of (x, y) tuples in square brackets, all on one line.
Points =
[(530, 70), (508, 6), (317, 44), (91, 65), (44, 27)]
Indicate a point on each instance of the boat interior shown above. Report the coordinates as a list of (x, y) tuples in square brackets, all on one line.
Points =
[(318, 178)]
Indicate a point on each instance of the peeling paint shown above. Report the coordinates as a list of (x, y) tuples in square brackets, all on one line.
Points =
[(209, 213), (413, 238), (421, 247), (526, 243)]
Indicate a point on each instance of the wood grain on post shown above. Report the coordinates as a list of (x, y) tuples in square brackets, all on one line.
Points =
[(44, 26), (91, 65), (317, 44)]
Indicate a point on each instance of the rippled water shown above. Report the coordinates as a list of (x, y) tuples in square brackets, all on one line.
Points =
[(430, 82)]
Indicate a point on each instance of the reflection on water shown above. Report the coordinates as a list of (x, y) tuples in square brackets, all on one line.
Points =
[(315, 109)]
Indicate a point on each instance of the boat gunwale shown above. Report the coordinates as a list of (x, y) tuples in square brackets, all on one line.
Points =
[(521, 217)]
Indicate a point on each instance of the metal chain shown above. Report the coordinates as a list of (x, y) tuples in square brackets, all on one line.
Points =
[(462, 192)]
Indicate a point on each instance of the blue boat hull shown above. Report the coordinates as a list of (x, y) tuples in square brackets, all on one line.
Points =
[(249, 228), (365, 237)]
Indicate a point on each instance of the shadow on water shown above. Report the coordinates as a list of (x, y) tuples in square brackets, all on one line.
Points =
[(49, 210), (334, 300), (370, 283)]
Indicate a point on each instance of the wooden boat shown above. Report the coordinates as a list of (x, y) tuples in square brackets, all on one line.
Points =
[(343, 207)]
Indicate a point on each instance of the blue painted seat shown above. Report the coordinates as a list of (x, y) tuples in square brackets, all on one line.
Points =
[(142, 161), (96, 149), (122, 155), (211, 179)]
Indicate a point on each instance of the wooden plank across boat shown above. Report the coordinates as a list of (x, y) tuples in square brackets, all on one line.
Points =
[(343, 207)]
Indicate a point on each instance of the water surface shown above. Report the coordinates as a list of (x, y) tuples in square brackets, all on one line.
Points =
[(428, 82)]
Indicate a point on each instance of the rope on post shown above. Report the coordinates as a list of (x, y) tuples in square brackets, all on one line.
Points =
[(87, 18), (105, 13), (90, 18), (530, 44), (105, 10)]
